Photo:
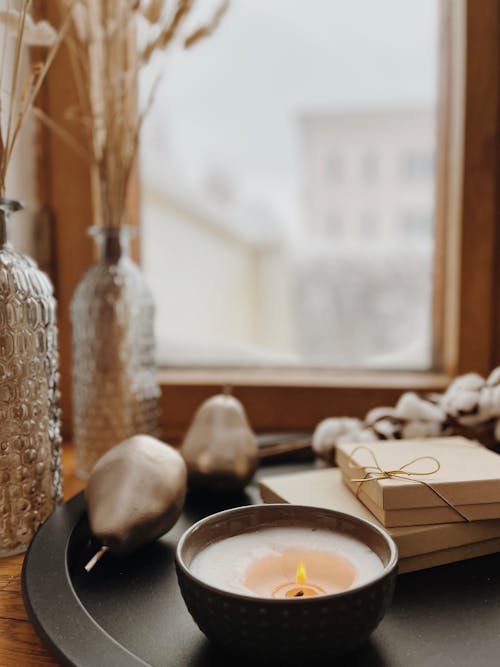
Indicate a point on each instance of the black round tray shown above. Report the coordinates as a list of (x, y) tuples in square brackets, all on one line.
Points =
[(129, 612)]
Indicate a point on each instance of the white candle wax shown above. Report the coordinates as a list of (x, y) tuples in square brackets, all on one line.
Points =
[(264, 563)]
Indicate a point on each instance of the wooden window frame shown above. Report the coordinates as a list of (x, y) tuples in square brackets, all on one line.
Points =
[(466, 306)]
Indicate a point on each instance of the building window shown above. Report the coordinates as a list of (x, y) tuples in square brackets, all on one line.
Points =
[(369, 168), (334, 168), (368, 226), (333, 225), (416, 166), (416, 224)]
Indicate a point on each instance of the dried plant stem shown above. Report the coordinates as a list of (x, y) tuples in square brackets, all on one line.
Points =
[(21, 94), (206, 30), (169, 32), (106, 70), (35, 88), (96, 558), (16, 70), (61, 133)]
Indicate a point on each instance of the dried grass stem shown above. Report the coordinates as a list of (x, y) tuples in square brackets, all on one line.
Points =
[(106, 63)]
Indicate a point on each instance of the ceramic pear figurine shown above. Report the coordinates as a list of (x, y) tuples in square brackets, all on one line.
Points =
[(135, 494), (220, 448)]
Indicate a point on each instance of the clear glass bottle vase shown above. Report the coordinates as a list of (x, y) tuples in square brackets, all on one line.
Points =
[(30, 434), (115, 392)]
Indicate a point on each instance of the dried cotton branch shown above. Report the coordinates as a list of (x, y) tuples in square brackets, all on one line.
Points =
[(470, 402)]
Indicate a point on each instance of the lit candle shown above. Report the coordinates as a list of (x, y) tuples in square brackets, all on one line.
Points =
[(300, 588), (287, 562)]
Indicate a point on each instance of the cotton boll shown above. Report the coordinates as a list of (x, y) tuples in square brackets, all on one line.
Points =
[(376, 414), (461, 399), (461, 402), (470, 420), (366, 435), (463, 405), (489, 403), (494, 377), (422, 429), (412, 407), (495, 401), (386, 429), (327, 433), (467, 382)]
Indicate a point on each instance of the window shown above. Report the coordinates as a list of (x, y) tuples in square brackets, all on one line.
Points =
[(369, 168), (333, 225), (334, 169), (416, 166), (416, 224), (462, 258), (244, 269), (368, 225)]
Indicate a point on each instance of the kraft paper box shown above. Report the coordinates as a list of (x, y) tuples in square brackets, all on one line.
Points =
[(467, 483), (419, 547)]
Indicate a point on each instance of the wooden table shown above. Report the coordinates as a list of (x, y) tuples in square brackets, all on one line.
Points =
[(19, 644)]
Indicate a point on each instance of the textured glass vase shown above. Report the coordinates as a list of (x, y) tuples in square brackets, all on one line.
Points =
[(30, 439), (115, 393)]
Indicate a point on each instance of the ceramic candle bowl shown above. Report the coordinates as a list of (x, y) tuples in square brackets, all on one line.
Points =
[(286, 631)]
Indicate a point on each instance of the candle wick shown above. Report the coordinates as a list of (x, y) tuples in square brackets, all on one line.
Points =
[(299, 594)]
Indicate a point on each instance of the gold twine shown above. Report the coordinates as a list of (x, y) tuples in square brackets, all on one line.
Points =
[(375, 472)]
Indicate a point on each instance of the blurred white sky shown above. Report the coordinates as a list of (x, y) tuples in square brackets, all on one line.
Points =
[(232, 103)]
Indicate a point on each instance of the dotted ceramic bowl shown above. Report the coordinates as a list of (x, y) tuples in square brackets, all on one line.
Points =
[(285, 631)]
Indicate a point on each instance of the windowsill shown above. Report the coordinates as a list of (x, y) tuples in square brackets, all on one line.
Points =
[(286, 399), (292, 377)]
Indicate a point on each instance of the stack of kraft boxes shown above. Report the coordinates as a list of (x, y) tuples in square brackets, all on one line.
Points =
[(438, 498)]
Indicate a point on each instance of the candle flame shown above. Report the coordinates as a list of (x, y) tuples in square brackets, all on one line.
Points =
[(301, 577)]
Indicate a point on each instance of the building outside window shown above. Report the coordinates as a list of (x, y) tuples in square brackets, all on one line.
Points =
[(416, 165), (334, 169), (417, 223), (369, 168), (368, 225), (333, 225), (255, 235)]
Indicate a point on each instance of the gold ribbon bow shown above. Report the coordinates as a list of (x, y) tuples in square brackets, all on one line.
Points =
[(376, 471)]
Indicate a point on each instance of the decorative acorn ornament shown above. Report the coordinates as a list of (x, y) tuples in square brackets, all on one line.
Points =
[(135, 494), (220, 448)]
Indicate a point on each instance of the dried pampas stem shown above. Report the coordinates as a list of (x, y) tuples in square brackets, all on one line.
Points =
[(105, 71), (208, 29), (17, 96)]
